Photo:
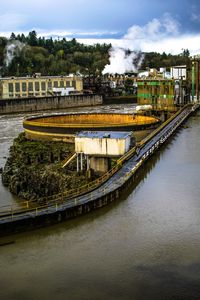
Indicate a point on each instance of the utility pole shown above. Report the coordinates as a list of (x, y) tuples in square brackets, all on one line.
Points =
[(193, 79)]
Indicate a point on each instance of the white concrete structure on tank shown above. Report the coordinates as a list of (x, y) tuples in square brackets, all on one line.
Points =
[(99, 146), (102, 143)]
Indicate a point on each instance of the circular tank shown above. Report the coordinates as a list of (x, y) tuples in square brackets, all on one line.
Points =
[(64, 127)]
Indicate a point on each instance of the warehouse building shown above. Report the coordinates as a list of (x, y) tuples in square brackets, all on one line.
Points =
[(39, 86), (161, 93)]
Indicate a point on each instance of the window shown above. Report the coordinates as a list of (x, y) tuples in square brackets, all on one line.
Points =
[(10, 87), (43, 85), (49, 85), (62, 84), (166, 90), (74, 83), (30, 86), (68, 83), (17, 87), (23, 86), (37, 86), (55, 84)]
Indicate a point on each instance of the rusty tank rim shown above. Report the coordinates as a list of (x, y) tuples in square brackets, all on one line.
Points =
[(58, 125)]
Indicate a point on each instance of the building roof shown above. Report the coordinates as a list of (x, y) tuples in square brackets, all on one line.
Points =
[(40, 77), (104, 134), (177, 67)]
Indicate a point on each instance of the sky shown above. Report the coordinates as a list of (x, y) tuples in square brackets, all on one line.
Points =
[(146, 25)]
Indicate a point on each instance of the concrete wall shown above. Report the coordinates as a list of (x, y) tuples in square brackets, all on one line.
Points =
[(47, 103), (99, 165), (102, 146)]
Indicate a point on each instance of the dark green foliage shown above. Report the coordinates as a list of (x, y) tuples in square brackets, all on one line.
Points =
[(52, 57), (34, 169), (157, 60), (62, 57)]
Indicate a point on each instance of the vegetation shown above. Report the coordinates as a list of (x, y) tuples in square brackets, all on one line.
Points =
[(50, 57), (34, 169), (157, 60), (22, 55)]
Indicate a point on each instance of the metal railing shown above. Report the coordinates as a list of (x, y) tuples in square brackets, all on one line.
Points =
[(69, 198), (68, 159)]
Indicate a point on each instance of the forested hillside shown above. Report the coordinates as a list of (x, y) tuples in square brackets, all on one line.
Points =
[(22, 55), (157, 60)]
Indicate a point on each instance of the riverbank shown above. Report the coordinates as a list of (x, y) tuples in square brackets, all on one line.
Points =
[(153, 231), (34, 169), (109, 188)]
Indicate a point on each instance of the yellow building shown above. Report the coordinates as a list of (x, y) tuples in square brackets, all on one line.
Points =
[(39, 86), (160, 93)]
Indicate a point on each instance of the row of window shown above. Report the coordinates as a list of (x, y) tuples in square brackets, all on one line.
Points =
[(43, 85), (158, 90)]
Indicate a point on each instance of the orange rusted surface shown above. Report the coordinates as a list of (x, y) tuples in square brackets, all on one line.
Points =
[(92, 119), (60, 127)]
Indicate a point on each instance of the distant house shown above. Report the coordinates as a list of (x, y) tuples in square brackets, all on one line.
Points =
[(179, 72)]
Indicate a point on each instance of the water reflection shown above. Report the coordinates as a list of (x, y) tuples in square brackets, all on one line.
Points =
[(144, 246)]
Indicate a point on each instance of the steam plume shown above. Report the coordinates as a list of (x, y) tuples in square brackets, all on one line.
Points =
[(137, 38), (13, 48), (122, 60)]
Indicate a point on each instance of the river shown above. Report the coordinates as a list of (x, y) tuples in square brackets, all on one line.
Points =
[(144, 246)]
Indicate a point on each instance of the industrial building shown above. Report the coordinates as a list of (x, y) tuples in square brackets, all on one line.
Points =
[(179, 72), (97, 147), (39, 86), (195, 78), (161, 93)]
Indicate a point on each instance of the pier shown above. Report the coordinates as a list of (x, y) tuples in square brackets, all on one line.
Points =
[(99, 193)]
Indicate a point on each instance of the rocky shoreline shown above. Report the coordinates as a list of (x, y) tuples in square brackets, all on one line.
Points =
[(34, 169)]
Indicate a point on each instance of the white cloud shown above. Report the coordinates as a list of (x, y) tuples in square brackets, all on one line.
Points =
[(69, 33), (154, 30), (173, 45), (159, 35), (9, 21), (195, 17)]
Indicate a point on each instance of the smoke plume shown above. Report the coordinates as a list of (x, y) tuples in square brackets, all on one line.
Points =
[(140, 38), (122, 60), (13, 48)]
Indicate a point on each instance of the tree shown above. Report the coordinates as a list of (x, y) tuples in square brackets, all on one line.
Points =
[(32, 38), (185, 53), (12, 36)]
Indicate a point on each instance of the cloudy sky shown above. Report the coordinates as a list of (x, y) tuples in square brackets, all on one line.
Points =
[(147, 25)]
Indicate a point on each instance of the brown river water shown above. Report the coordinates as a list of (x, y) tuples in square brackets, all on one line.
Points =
[(144, 246)]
